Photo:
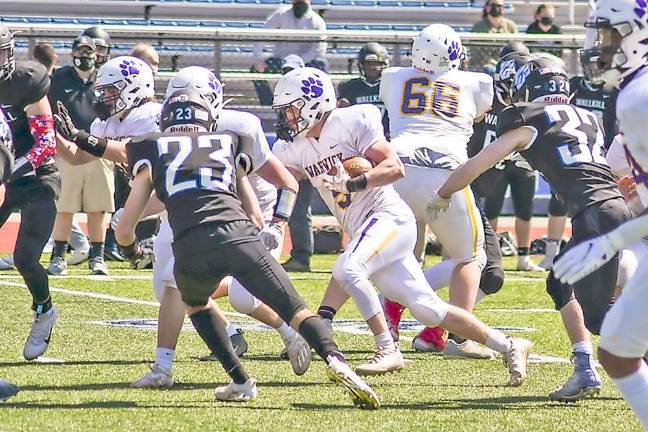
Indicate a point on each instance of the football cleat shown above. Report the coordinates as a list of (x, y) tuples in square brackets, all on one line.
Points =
[(530, 266), (293, 265), (299, 353), (430, 339), (361, 394), (467, 350), (233, 392), (385, 360), (7, 390), (79, 256), (393, 312), (238, 343), (57, 266), (7, 263), (97, 266), (156, 378), (584, 382), (516, 359), (40, 333)]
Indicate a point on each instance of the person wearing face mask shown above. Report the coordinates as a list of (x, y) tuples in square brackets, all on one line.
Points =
[(544, 21), (299, 16), (88, 188), (493, 20)]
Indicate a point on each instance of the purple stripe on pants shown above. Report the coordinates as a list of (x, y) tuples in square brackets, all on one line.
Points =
[(364, 233)]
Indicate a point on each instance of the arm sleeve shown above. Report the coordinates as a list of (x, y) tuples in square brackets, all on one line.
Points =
[(368, 127)]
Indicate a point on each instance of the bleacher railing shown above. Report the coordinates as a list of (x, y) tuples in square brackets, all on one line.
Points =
[(482, 47)]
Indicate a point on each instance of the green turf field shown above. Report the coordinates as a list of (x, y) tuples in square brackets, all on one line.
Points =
[(89, 388)]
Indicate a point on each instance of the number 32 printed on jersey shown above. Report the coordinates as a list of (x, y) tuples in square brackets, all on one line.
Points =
[(421, 95)]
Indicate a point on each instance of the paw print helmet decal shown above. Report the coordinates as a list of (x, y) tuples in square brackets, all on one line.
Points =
[(437, 48), (203, 81), (122, 83), (616, 43), (301, 98)]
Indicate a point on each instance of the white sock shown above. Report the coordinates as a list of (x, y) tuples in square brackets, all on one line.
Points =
[(231, 330), (634, 388), (583, 347), (384, 340), (551, 249), (523, 259), (438, 276), (286, 332), (498, 341), (480, 296), (164, 358)]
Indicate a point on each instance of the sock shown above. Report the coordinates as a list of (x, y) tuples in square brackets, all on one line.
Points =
[(327, 312), (96, 250), (583, 347), (319, 337), (60, 248), (286, 332), (164, 358), (213, 333), (498, 341), (44, 307), (230, 329), (551, 248), (480, 296), (523, 251), (384, 340), (634, 388)]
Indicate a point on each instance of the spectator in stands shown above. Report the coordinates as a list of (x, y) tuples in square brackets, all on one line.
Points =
[(544, 21), (298, 16), (148, 54), (493, 20), (88, 188), (45, 54)]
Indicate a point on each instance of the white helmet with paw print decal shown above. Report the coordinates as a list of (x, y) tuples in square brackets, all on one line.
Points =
[(437, 48), (301, 98)]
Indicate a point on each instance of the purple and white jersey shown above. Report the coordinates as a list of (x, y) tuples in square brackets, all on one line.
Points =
[(348, 132)]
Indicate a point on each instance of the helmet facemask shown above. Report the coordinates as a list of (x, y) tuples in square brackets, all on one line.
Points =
[(603, 57), (108, 100), (7, 60), (290, 122)]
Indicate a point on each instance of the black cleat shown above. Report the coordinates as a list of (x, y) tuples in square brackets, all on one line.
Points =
[(7, 390)]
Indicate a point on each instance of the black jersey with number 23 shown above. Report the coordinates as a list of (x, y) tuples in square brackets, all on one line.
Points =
[(194, 175), (568, 149)]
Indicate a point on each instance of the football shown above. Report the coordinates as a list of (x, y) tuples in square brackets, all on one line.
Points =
[(354, 166)]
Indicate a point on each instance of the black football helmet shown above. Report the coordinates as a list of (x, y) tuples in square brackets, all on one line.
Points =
[(101, 39), (541, 80), (372, 52), (7, 59), (514, 47), (505, 71), (186, 111)]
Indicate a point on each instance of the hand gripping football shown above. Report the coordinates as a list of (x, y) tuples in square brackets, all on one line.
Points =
[(354, 166)]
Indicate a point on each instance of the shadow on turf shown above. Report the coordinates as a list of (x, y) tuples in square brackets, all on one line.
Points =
[(76, 363), (177, 387)]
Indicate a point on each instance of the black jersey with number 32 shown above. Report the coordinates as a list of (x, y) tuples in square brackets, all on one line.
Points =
[(194, 174), (568, 149)]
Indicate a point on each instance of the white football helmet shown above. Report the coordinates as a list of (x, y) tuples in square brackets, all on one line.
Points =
[(616, 44), (122, 83), (437, 48), (301, 98), (203, 81)]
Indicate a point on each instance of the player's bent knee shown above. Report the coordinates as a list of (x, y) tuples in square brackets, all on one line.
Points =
[(26, 262), (241, 299), (430, 311), (492, 280), (348, 272)]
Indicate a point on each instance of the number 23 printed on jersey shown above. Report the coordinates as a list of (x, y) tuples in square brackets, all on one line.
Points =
[(421, 95)]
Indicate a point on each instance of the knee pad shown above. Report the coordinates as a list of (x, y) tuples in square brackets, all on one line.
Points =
[(429, 310), (593, 322), (26, 262), (559, 292), (163, 277), (492, 280), (240, 298)]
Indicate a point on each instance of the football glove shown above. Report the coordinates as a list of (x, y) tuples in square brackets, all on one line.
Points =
[(437, 205), (337, 182), (271, 236), (583, 259), (64, 123)]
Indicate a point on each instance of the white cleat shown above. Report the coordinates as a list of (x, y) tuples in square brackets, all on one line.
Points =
[(40, 333), (516, 359), (530, 266), (79, 256), (299, 353), (384, 360), (467, 350), (233, 392), (156, 378), (361, 394)]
